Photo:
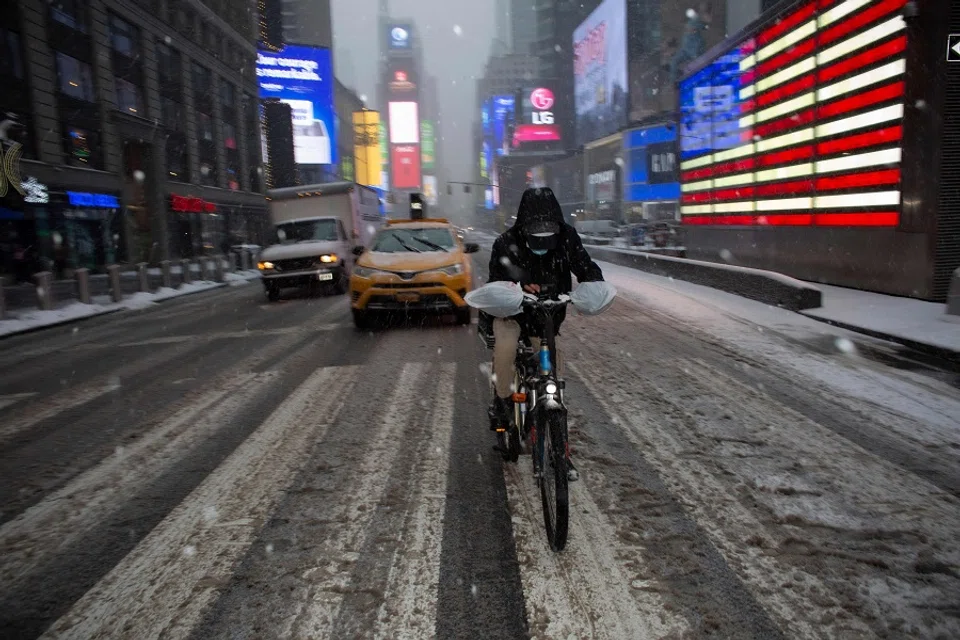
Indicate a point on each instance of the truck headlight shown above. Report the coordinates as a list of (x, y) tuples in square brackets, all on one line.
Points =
[(328, 258), (264, 265)]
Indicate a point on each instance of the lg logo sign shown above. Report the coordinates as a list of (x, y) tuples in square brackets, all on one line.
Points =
[(542, 101)]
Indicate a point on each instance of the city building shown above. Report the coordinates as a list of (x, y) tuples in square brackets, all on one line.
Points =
[(308, 22), (131, 132), (346, 102)]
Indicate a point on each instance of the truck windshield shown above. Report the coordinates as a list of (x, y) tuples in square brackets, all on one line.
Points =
[(306, 231), (397, 240)]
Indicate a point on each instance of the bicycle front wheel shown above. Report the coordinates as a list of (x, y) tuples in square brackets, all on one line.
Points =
[(554, 492)]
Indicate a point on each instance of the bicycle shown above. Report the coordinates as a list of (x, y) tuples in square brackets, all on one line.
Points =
[(540, 414)]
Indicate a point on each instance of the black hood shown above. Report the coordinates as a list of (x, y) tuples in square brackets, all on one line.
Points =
[(538, 205)]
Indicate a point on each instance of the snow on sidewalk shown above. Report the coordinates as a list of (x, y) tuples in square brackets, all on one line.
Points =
[(904, 318), (19, 321)]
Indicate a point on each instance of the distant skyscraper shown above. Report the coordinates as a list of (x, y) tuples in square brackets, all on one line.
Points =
[(523, 26), (308, 22)]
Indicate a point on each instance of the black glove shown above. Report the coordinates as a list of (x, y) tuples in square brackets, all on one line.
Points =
[(485, 329)]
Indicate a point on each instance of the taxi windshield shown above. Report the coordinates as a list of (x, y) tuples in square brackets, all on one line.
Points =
[(399, 240)]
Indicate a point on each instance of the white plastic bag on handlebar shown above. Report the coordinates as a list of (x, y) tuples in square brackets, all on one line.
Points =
[(593, 298), (499, 299)]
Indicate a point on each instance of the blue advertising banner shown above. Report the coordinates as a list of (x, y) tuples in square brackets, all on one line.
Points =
[(303, 78), (503, 107), (652, 166)]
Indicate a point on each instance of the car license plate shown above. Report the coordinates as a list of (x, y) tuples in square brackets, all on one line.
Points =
[(324, 276), (408, 297)]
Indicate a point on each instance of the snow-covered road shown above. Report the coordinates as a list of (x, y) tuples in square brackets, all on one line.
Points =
[(221, 467)]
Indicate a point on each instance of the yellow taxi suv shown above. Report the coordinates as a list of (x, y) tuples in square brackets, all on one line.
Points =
[(412, 266)]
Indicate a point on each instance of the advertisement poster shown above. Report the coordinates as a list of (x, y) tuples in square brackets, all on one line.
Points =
[(303, 78), (600, 72), (404, 123), (537, 122), (402, 80), (430, 190), (427, 145), (503, 107), (398, 37), (405, 166)]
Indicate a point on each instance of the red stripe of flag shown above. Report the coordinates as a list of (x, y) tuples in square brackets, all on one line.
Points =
[(799, 187), (886, 50), (748, 76), (781, 61), (735, 166), (695, 174), (727, 220), (786, 220), (858, 20), (859, 101), (798, 18), (738, 193), (688, 198), (869, 179), (790, 155), (784, 124), (872, 219), (803, 83), (826, 3), (859, 141)]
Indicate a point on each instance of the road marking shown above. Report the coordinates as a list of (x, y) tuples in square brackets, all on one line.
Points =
[(316, 607), (164, 585), (14, 398), (236, 335), (409, 608), (582, 592), (60, 402), (42, 532)]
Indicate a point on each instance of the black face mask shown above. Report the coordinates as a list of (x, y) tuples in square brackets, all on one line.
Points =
[(541, 243)]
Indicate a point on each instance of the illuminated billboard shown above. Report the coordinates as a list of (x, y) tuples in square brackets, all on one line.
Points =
[(366, 146), (302, 77), (405, 166), (600, 71), (800, 124), (399, 37), (537, 119), (404, 123), (430, 190), (428, 151), (402, 80), (502, 111)]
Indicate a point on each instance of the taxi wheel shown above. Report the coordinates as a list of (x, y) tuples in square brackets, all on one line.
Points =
[(463, 316), (362, 320)]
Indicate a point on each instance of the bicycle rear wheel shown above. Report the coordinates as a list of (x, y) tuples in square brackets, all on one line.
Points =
[(554, 491)]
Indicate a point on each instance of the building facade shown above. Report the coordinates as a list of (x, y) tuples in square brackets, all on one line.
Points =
[(133, 130), (308, 22)]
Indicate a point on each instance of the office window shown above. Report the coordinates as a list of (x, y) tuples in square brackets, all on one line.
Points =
[(11, 57), (76, 78), (176, 157), (171, 114), (229, 136), (71, 13), (82, 146), (228, 95), (202, 79), (128, 98), (204, 127), (124, 37)]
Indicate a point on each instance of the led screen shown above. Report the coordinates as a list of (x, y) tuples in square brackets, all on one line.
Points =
[(404, 123), (600, 71)]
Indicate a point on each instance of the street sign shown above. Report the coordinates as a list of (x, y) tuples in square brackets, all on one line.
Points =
[(953, 47)]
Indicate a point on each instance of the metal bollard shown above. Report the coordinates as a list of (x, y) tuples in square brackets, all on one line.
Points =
[(245, 259), (82, 277), (204, 269), (44, 282), (166, 275), (234, 261), (218, 272), (116, 291), (144, 277), (187, 273)]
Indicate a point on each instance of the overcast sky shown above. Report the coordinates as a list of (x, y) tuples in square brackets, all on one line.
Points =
[(455, 60)]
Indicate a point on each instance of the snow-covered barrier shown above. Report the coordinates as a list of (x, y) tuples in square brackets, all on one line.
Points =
[(953, 294), (765, 286)]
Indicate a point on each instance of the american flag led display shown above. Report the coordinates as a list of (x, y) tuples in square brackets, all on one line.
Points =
[(800, 124)]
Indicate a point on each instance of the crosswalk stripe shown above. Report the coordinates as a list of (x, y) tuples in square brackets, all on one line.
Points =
[(409, 608), (37, 536), (315, 612), (165, 584), (14, 398)]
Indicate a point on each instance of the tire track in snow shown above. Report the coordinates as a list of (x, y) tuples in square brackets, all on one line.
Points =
[(45, 530), (409, 608), (165, 584), (581, 592)]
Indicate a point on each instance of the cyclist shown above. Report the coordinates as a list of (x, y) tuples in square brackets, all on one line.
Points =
[(539, 253)]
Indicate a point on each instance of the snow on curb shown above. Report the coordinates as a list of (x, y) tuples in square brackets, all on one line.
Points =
[(22, 321)]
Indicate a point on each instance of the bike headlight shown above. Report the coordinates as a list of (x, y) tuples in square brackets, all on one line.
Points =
[(366, 272), (328, 258), (551, 388), (264, 265)]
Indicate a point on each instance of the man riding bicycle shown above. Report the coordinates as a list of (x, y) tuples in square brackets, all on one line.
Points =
[(539, 252)]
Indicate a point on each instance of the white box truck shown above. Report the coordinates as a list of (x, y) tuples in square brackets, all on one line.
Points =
[(315, 231)]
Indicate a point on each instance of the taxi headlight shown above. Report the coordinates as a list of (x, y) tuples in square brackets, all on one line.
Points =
[(264, 265), (452, 270), (366, 272)]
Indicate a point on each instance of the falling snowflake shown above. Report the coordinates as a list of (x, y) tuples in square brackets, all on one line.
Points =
[(210, 513), (189, 551), (726, 254), (845, 345), (457, 30)]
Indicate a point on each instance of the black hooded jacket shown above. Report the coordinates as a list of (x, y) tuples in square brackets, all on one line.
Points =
[(513, 261)]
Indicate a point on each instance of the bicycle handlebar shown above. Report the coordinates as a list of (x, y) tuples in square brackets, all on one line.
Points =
[(531, 300)]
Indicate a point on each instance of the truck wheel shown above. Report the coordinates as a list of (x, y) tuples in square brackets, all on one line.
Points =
[(341, 285), (273, 293)]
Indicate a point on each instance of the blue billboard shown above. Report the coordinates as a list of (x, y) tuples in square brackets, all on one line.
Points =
[(303, 78), (503, 108), (652, 166)]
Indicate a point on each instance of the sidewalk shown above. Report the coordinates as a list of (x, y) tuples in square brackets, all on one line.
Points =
[(24, 320), (914, 323)]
